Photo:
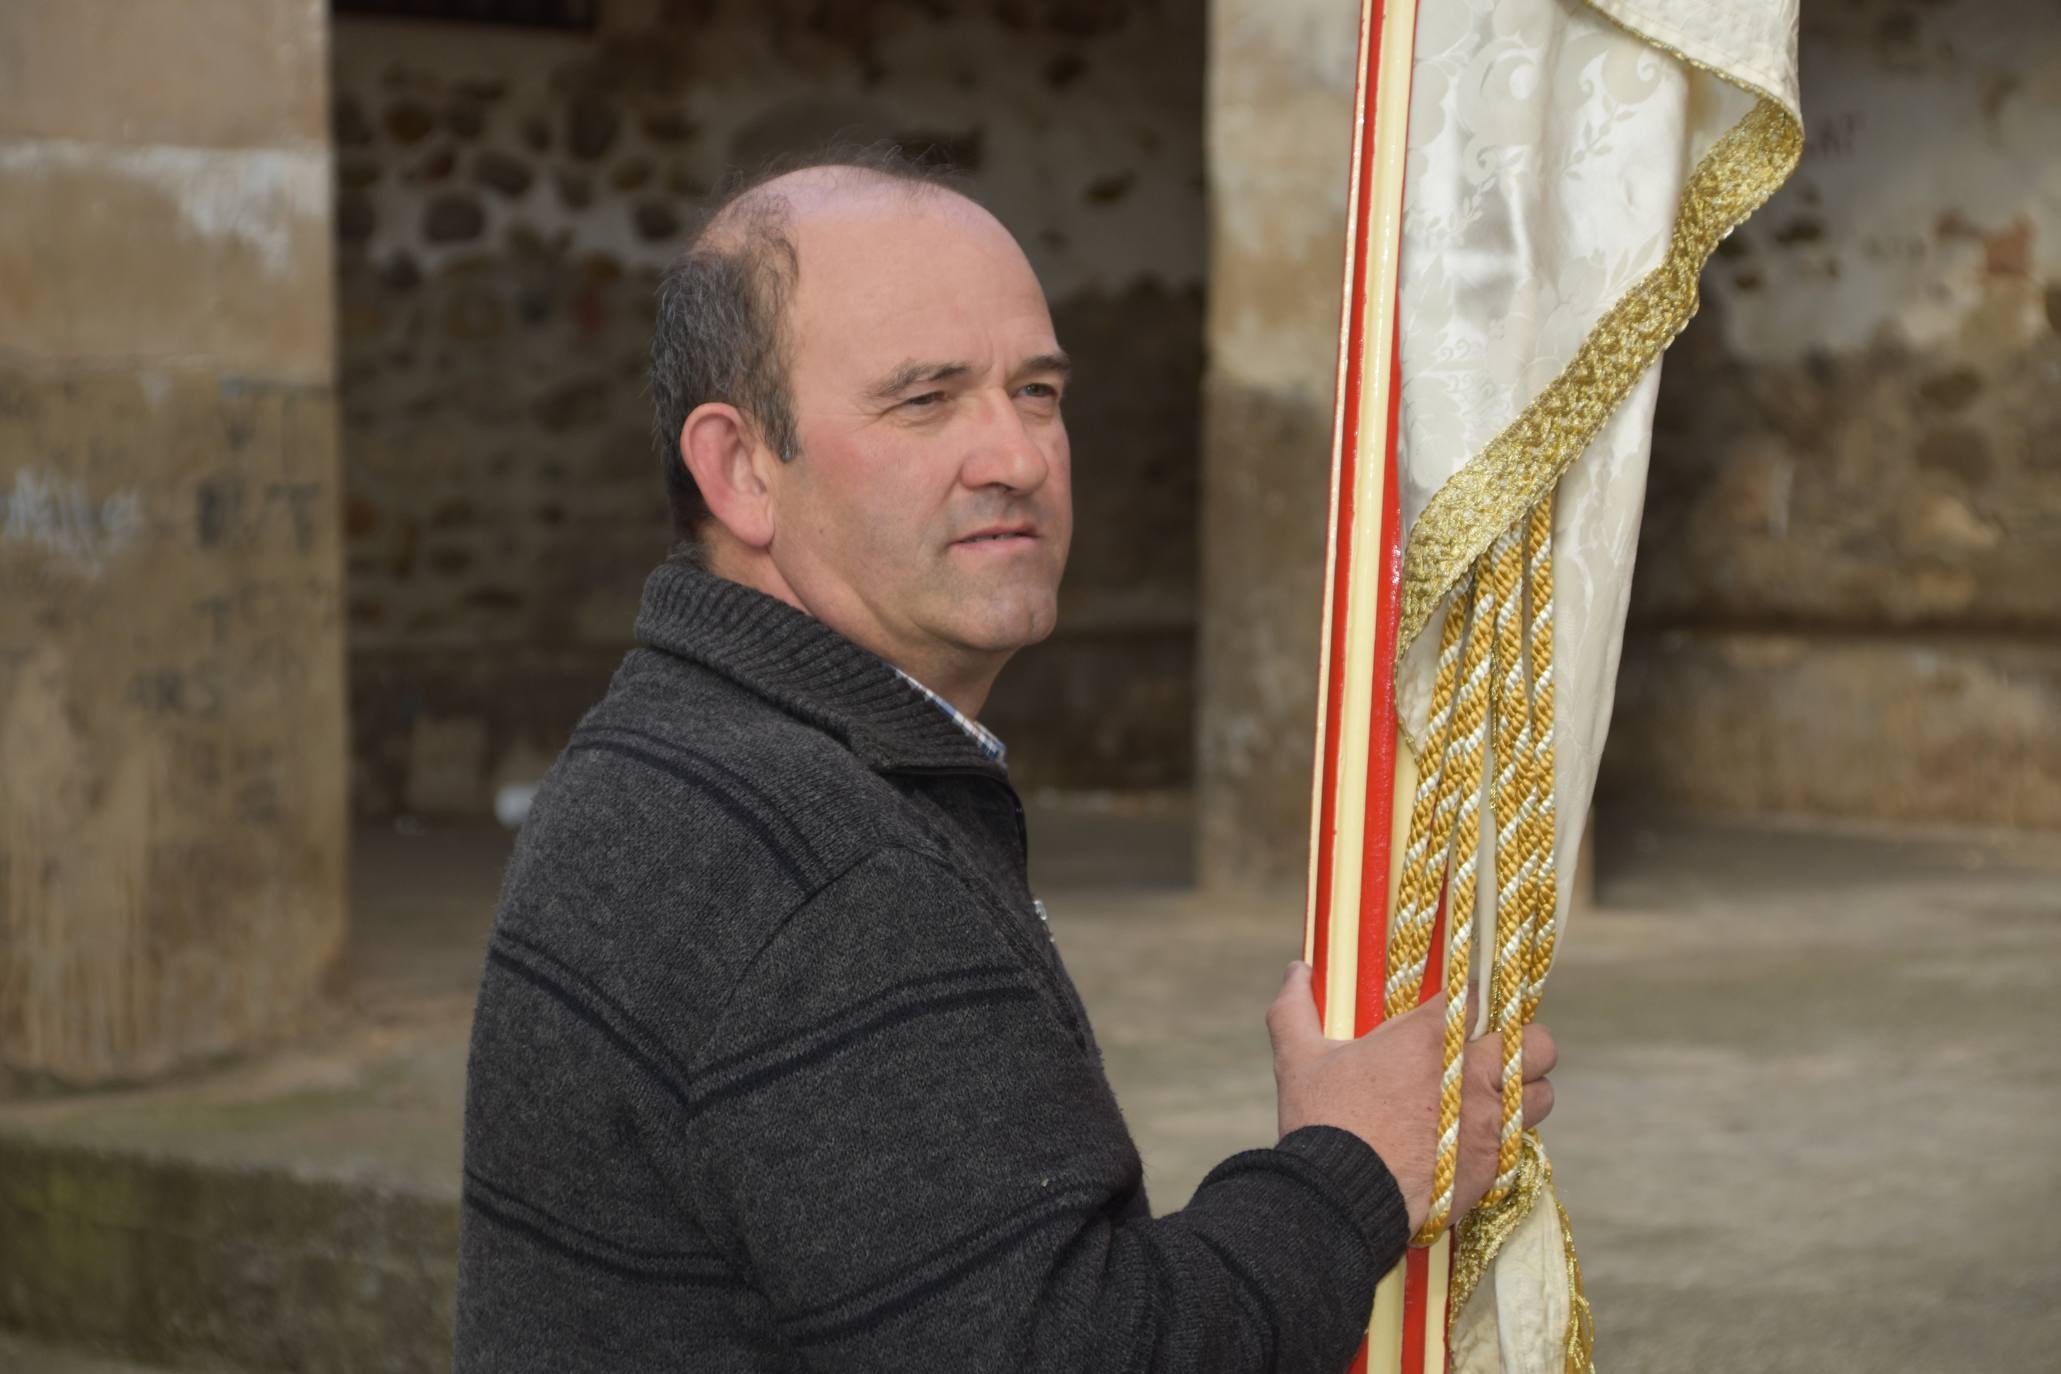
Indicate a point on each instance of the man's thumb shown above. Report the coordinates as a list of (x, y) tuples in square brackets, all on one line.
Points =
[(1292, 1021)]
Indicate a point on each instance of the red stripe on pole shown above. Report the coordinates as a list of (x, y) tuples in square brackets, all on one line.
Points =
[(1380, 815), (1416, 1271), (1347, 458), (1435, 957), (1416, 1277)]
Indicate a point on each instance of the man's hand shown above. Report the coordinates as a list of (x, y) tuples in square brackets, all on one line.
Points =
[(1383, 1087)]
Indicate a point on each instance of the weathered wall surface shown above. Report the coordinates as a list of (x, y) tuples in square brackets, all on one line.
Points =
[(1846, 601), (1280, 118), (1849, 590), (171, 679), (506, 200)]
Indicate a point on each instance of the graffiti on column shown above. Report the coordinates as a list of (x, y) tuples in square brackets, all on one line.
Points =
[(48, 511)]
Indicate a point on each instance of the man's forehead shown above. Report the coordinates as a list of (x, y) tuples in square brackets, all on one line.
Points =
[(928, 231), (913, 276), (800, 203)]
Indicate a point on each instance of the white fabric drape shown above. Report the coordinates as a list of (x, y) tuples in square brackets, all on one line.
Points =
[(1549, 145)]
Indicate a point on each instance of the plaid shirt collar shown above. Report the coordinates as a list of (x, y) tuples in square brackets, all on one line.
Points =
[(985, 738)]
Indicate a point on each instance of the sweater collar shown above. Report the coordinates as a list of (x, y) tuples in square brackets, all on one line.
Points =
[(804, 667)]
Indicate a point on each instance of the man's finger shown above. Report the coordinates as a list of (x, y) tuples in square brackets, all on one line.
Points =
[(1540, 1053), (1292, 1020), (1433, 1008), (1538, 1102)]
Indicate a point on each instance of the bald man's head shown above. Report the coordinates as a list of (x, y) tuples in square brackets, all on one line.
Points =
[(722, 331), (774, 204)]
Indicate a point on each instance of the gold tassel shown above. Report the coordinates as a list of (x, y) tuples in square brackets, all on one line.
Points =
[(1482, 1233)]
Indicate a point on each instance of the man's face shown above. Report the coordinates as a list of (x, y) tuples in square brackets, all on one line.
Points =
[(929, 513)]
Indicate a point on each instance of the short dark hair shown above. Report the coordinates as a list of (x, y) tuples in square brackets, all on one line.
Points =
[(721, 331)]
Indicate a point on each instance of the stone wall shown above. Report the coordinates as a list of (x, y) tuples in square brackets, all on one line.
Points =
[(506, 200), (1280, 122), (171, 679), (1849, 590)]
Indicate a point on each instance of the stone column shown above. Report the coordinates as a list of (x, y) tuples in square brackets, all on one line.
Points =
[(1279, 140), (172, 832)]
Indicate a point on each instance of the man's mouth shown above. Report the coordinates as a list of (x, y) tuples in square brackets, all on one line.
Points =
[(1000, 534)]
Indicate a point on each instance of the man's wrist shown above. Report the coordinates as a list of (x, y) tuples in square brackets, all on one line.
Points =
[(1365, 1187)]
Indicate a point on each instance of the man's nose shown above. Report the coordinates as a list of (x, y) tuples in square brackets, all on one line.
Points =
[(1005, 454)]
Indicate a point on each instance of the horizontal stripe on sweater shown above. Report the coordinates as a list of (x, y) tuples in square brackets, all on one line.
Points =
[(791, 1052)]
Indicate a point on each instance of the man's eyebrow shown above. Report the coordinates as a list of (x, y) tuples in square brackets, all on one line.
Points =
[(1055, 361), (911, 373)]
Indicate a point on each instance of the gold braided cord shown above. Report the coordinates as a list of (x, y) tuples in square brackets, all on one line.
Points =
[(1520, 465), (1545, 897), (1438, 799), (1459, 949), (1463, 759), (1492, 635), (1510, 768), (1431, 809), (1495, 661)]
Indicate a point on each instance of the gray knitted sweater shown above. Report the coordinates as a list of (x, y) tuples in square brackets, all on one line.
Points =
[(774, 1067)]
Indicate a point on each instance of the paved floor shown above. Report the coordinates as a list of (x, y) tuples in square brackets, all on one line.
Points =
[(1809, 1117)]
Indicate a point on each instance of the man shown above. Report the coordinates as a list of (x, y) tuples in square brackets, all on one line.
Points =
[(775, 1067)]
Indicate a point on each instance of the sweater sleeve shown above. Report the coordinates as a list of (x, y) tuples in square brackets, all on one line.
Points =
[(922, 1168)]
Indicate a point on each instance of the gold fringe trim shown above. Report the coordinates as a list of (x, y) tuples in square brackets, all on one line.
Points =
[(1483, 1232), (1480, 1236), (1581, 1323), (1520, 465)]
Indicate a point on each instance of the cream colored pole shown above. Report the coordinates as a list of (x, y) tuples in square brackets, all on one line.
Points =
[(1363, 777)]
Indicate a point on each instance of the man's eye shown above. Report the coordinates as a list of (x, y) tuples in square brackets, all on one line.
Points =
[(926, 400), (1042, 391)]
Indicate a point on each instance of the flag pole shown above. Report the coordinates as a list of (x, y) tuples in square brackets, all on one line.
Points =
[(1364, 777)]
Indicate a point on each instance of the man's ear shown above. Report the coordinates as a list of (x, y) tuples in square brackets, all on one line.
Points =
[(724, 459)]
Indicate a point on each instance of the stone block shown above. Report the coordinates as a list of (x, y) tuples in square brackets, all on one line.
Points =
[(198, 257), (191, 73), (1886, 487), (1908, 730), (175, 1260)]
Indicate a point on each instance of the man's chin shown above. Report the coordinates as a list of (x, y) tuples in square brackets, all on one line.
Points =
[(1005, 631)]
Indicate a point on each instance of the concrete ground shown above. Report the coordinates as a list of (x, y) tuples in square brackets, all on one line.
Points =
[(1808, 1118)]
